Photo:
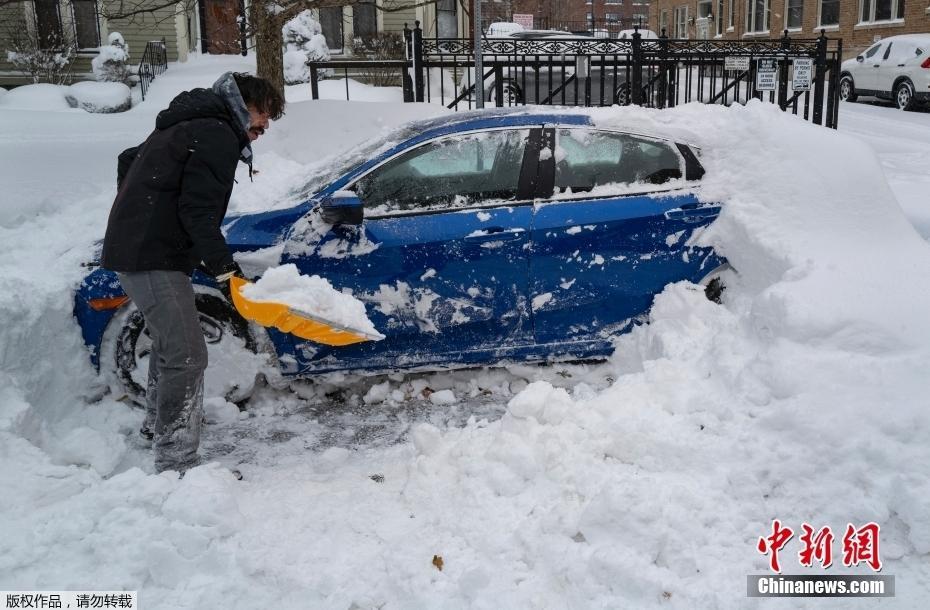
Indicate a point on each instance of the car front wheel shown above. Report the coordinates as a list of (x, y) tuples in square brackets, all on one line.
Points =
[(512, 96), (847, 89), (231, 348), (904, 96)]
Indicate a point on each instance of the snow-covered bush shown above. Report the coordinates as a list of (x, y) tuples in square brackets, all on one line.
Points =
[(46, 61), (303, 41), (101, 98), (39, 96), (112, 62)]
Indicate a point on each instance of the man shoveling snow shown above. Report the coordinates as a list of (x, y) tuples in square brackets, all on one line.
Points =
[(165, 221)]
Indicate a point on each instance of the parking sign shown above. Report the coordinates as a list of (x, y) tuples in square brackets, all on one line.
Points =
[(766, 80), (803, 71)]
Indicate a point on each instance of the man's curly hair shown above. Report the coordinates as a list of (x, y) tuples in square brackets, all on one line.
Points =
[(260, 93)]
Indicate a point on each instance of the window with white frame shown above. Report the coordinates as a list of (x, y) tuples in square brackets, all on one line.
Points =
[(663, 23), (612, 17), (794, 14), (731, 18), (871, 11), (641, 19), (681, 22), (704, 8), (757, 16), (718, 18), (829, 12), (613, 1)]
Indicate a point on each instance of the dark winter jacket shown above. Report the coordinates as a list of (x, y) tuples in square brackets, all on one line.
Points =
[(174, 190)]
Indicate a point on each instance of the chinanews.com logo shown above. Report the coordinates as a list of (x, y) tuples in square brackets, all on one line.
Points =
[(860, 546)]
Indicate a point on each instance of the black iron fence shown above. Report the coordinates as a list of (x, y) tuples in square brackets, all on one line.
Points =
[(154, 62), (800, 75)]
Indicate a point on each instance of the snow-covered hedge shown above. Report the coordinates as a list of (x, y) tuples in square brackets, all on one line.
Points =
[(303, 42), (40, 96), (89, 96), (112, 62), (103, 98)]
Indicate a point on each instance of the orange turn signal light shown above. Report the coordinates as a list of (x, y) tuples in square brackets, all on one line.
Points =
[(108, 303)]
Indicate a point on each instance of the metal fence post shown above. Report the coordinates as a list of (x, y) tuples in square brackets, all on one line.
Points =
[(783, 72), (820, 76), (833, 102), (663, 70), (418, 61), (406, 81), (636, 85), (498, 86), (314, 86)]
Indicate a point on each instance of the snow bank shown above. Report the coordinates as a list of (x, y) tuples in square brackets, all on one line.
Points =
[(41, 96), (802, 398), (311, 294), (99, 97)]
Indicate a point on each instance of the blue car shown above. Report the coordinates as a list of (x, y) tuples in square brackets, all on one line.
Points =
[(473, 239)]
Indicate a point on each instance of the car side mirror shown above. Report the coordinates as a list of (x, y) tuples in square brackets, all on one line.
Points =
[(860, 58), (342, 208)]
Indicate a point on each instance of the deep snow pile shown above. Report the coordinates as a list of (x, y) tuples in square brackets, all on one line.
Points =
[(642, 482), (311, 294)]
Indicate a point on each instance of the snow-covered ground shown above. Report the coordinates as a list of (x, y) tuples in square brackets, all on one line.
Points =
[(643, 481)]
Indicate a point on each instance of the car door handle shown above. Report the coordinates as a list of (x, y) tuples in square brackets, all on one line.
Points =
[(693, 214), (496, 234)]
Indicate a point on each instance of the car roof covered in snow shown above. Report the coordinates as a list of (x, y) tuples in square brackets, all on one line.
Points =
[(500, 117)]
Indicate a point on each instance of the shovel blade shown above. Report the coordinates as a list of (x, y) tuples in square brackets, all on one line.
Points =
[(297, 323)]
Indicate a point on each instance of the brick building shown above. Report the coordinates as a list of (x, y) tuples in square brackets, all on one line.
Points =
[(609, 16), (858, 22)]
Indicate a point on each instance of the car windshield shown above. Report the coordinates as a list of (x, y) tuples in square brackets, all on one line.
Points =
[(332, 168)]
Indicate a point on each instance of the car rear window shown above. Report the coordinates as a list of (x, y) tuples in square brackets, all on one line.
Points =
[(588, 159)]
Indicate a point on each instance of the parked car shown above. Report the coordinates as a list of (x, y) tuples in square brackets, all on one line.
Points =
[(896, 68), (645, 34), (546, 78), (474, 238), (503, 28)]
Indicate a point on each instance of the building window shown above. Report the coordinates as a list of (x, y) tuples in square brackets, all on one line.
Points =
[(663, 23), (612, 2), (364, 19), (829, 12), (641, 19), (86, 25), (612, 17), (48, 22), (718, 18), (681, 22), (731, 20), (704, 8), (757, 16), (880, 10), (794, 14)]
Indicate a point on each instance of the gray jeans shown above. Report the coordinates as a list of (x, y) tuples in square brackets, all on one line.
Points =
[(174, 393)]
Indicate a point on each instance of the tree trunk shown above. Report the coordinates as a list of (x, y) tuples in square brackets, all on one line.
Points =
[(269, 45)]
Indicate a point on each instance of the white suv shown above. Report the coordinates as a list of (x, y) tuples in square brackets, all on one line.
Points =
[(896, 68)]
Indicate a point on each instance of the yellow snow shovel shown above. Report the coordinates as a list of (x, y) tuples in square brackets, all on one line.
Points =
[(289, 320)]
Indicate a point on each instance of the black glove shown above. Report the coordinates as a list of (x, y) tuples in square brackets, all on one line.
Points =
[(229, 270), (222, 279)]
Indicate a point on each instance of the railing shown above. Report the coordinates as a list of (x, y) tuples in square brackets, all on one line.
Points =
[(154, 62), (800, 75)]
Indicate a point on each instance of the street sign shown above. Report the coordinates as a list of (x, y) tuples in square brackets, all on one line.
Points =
[(803, 74), (736, 63), (526, 20), (766, 74)]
